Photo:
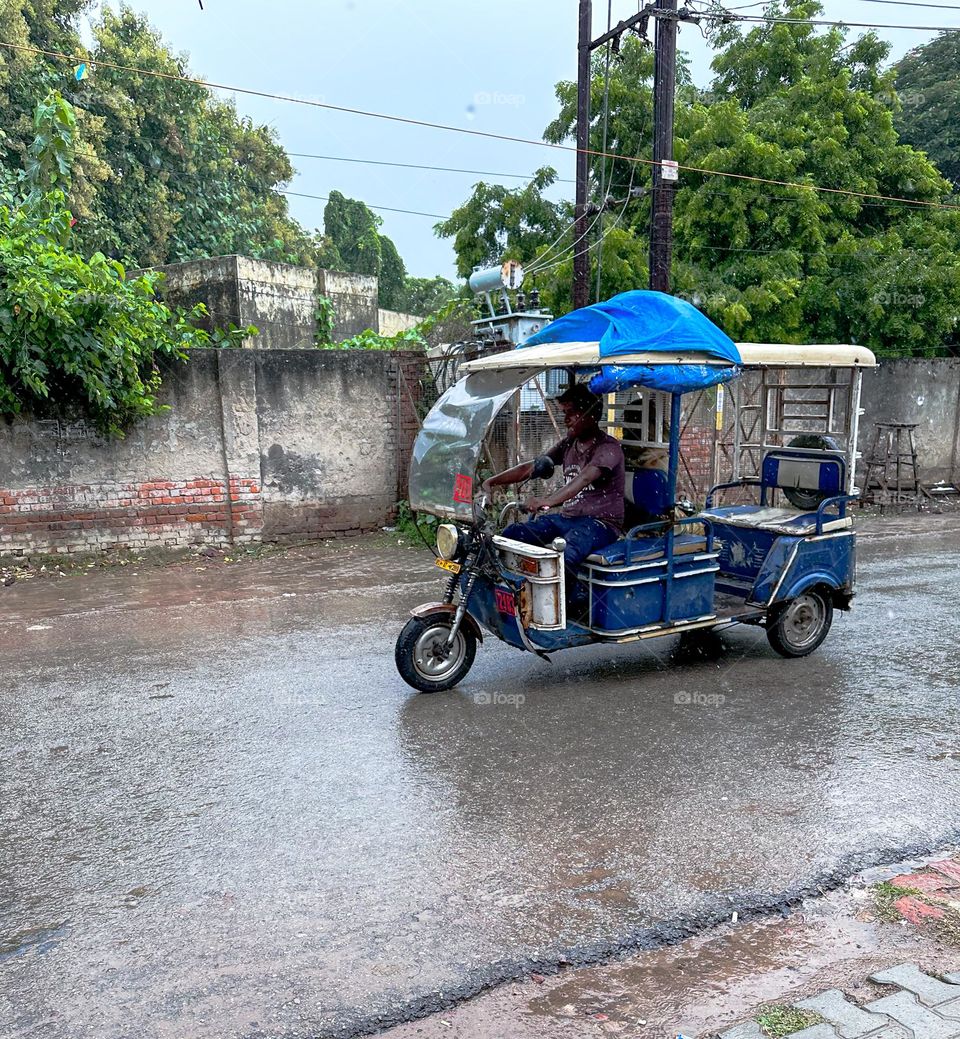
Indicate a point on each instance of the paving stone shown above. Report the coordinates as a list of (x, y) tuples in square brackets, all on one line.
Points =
[(914, 911), (929, 883), (815, 1032), (948, 868), (954, 979), (749, 1030), (930, 991), (851, 1022), (926, 1024)]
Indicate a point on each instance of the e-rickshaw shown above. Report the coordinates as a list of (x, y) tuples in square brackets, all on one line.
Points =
[(784, 561)]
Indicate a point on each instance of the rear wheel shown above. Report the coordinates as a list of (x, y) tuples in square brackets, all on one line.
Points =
[(799, 626), (422, 656)]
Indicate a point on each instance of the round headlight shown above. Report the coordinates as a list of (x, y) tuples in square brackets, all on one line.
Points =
[(448, 540)]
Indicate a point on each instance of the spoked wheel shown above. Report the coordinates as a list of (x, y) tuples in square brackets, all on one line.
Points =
[(423, 659), (799, 626)]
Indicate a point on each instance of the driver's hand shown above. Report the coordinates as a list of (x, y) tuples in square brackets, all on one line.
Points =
[(535, 505)]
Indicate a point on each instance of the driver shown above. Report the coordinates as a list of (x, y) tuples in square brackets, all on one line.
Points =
[(591, 499)]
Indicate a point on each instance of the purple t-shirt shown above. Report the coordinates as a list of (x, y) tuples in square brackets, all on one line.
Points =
[(602, 499)]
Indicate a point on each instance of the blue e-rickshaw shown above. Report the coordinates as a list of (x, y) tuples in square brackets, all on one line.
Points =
[(783, 561)]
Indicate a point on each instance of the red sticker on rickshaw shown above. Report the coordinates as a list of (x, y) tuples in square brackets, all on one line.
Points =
[(463, 488), (505, 603)]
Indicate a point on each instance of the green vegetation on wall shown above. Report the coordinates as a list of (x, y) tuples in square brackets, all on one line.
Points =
[(77, 338)]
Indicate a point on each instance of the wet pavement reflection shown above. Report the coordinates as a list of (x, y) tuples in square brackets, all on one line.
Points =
[(222, 812)]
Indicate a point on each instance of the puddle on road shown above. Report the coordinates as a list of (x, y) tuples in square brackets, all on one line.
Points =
[(38, 940)]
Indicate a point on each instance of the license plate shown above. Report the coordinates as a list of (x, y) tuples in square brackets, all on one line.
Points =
[(446, 564)]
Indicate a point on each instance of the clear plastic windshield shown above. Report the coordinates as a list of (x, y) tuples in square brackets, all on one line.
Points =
[(447, 449)]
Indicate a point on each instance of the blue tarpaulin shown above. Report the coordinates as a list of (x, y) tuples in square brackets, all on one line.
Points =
[(644, 322), (670, 378)]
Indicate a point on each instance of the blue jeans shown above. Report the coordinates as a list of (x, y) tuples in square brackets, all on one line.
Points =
[(582, 534)]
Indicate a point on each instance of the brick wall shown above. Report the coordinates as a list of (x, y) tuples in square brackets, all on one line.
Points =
[(257, 445)]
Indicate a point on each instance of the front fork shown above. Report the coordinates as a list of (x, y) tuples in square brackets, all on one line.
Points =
[(471, 566)]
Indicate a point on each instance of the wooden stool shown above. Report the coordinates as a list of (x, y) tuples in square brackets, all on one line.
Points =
[(891, 477)]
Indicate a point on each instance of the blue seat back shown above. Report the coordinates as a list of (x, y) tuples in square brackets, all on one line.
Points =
[(805, 471), (649, 489)]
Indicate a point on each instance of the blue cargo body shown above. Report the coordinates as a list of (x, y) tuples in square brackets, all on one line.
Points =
[(635, 584)]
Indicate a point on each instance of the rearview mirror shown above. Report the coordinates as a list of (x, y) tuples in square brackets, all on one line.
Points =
[(543, 468)]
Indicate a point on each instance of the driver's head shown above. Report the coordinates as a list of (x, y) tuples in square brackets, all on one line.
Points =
[(581, 409)]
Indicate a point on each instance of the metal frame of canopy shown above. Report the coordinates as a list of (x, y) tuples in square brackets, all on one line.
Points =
[(753, 355), (777, 397)]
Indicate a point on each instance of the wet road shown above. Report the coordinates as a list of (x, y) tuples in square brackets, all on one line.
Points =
[(223, 814)]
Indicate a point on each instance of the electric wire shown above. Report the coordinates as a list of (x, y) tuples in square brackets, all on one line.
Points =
[(419, 166), (409, 121), (785, 20), (385, 209), (539, 265)]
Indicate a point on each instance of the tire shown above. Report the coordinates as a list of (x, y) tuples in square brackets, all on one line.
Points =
[(808, 501), (419, 653), (799, 626)]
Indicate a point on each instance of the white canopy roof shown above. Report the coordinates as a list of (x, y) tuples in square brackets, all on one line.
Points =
[(755, 355)]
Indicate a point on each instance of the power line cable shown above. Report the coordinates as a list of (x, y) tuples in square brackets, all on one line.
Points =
[(409, 121), (385, 209), (784, 20), (909, 3), (418, 166)]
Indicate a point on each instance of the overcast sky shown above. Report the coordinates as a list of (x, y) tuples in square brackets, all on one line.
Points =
[(488, 65)]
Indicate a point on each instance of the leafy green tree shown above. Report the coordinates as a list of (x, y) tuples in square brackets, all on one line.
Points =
[(425, 295), (188, 177), (928, 91), (355, 244), (497, 222), (76, 336), (785, 264), (769, 262)]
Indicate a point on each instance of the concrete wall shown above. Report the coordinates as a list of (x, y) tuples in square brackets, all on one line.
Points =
[(923, 391), (280, 299), (390, 322), (284, 444), (354, 299), (257, 445)]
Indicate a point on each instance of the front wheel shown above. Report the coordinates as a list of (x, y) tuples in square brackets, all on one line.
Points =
[(422, 656), (799, 626)]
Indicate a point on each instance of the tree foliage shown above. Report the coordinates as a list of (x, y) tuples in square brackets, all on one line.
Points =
[(769, 262), (423, 296), (164, 170), (76, 336), (496, 222), (928, 91), (355, 244), (787, 264)]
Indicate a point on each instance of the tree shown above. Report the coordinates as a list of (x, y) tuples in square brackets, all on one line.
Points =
[(76, 336), (355, 244), (497, 223), (423, 296), (928, 90), (776, 262), (786, 264)]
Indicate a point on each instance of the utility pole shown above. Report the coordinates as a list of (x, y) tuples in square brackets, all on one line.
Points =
[(664, 92), (581, 256), (667, 18)]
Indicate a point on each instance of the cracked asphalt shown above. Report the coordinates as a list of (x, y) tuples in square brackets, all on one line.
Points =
[(222, 813)]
